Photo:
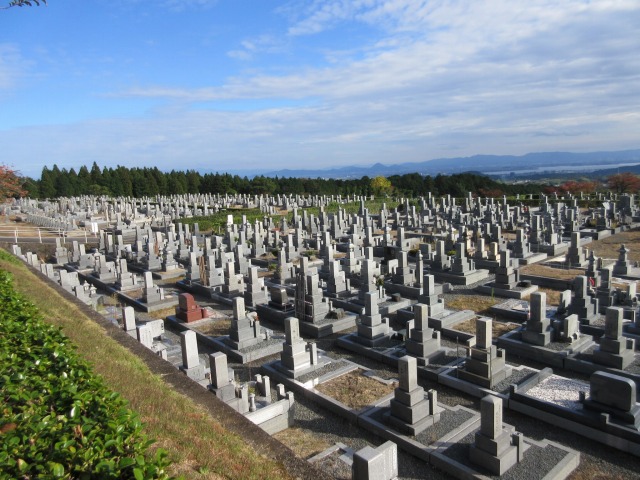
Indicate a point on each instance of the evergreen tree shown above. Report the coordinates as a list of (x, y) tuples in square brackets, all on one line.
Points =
[(47, 184), (84, 180)]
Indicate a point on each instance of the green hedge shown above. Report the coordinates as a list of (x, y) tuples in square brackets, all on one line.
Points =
[(58, 419)]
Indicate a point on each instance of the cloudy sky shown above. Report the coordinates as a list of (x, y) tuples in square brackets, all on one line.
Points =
[(249, 85)]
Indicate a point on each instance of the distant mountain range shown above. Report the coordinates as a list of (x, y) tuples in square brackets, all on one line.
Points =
[(494, 165)]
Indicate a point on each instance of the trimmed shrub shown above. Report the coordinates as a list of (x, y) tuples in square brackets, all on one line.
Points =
[(59, 420)]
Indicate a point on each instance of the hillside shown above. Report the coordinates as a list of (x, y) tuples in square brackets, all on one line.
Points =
[(205, 439)]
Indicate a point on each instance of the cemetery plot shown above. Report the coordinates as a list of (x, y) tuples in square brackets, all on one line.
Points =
[(355, 389), (293, 298)]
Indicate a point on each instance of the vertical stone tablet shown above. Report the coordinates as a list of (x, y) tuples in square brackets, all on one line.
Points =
[(484, 333)]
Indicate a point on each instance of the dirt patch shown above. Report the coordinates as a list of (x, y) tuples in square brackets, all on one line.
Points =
[(164, 313), (623, 285), (137, 294), (477, 303), (303, 443), (498, 328), (216, 328), (355, 390), (557, 273), (608, 247), (553, 296)]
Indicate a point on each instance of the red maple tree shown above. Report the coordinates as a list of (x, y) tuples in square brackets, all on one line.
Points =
[(10, 184), (625, 182)]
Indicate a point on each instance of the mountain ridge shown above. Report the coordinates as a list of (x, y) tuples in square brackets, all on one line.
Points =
[(490, 163)]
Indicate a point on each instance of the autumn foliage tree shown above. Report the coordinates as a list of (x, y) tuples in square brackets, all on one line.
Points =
[(575, 187), (490, 192), (10, 184), (625, 182), (381, 186)]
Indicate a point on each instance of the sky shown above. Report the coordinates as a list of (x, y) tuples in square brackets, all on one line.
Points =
[(246, 86)]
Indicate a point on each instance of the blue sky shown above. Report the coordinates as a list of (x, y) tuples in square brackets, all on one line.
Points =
[(254, 85)]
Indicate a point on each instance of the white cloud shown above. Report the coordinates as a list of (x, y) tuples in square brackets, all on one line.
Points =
[(259, 44), (469, 38), (321, 15), (172, 5), (179, 5), (12, 66), (441, 78)]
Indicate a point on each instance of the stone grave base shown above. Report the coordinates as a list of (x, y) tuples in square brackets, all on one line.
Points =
[(385, 351), (450, 317), (389, 353), (486, 264), (410, 429), (542, 460), (308, 390), (633, 273), (255, 352), (594, 234), (224, 298), (274, 417), (404, 290), (518, 310), (328, 326), (553, 354), (551, 250), (127, 288), (533, 258), (384, 308), (196, 288), (501, 389), (555, 400), (631, 331), (304, 385), (468, 279), (311, 374), (162, 275), (322, 328), (169, 301), (582, 362), (476, 379), (516, 292), (454, 423), (274, 315), (260, 350), (439, 320)]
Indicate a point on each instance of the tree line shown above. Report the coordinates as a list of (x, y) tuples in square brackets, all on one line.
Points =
[(146, 181)]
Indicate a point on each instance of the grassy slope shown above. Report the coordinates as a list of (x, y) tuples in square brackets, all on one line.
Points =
[(198, 445)]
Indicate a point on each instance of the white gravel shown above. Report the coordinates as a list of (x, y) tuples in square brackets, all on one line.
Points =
[(560, 391)]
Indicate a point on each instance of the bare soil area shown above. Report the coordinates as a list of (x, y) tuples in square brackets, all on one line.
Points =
[(478, 303), (355, 390), (498, 328), (303, 443), (217, 328), (551, 272), (608, 247)]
